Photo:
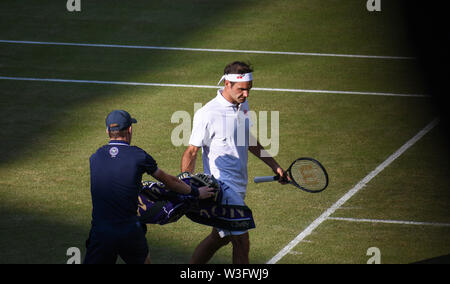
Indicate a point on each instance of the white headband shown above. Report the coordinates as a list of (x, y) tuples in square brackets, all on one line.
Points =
[(237, 77)]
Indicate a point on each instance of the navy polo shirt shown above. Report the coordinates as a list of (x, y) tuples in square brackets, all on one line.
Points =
[(116, 176)]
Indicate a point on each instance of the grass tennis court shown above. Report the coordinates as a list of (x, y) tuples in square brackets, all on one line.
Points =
[(50, 128)]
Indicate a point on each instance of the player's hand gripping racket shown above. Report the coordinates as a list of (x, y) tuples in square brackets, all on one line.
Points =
[(305, 173)]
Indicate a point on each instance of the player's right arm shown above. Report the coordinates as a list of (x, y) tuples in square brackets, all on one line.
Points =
[(189, 158), (199, 134)]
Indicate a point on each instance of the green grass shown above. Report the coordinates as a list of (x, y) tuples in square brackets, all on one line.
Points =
[(49, 130)]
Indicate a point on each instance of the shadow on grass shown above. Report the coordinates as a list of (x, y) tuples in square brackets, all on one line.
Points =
[(29, 238), (33, 112), (30, 111)]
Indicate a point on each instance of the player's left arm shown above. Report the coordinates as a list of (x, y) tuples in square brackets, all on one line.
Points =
[(175, 184), (258, 151)]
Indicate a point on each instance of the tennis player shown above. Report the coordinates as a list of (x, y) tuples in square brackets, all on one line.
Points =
[(222, 129)]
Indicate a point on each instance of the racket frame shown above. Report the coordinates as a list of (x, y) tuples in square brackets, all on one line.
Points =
[(292, 181), (289, 172)]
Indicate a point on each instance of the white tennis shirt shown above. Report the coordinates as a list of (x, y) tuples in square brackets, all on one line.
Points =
[(222, 130)]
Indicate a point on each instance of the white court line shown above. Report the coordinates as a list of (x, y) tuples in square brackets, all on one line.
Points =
[(390, 221), (204, 86), (104, 82), (325, 215), (203, 49)]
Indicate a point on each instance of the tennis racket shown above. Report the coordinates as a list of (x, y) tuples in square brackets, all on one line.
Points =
[(305, 173)]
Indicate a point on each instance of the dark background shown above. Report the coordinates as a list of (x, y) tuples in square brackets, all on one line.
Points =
[(429, 33)]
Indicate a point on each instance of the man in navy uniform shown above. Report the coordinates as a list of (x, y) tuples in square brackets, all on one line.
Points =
[(116, 175)]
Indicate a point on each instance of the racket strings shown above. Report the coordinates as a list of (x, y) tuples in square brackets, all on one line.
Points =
[(308, 175)]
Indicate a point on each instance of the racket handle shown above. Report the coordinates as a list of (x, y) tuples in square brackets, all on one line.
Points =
[(265, 179)]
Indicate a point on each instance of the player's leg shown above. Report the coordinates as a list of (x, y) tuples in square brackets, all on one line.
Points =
[(147, 260), (241, 248), (208, 247)]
